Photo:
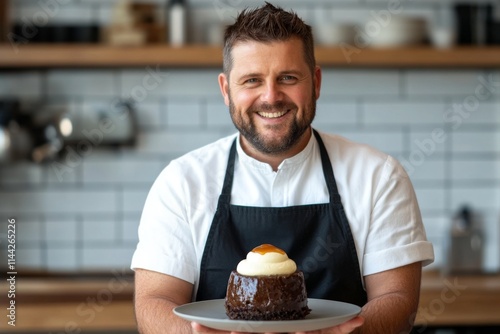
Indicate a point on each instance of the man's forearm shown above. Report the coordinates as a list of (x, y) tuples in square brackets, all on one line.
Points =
[(389, 314), (154, 316)]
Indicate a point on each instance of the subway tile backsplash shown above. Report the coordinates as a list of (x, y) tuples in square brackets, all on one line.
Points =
[(361, 83), (443, 125)]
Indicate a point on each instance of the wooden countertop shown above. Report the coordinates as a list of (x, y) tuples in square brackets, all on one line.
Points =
[(106, 303), (71, 305), (466, 300)]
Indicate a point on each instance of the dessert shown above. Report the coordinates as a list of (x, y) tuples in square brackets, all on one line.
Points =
[(266, 286)]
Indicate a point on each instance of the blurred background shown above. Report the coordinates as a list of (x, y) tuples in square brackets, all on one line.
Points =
[(96, 97)]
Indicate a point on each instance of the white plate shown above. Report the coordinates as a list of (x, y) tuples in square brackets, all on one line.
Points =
[(324, 314)]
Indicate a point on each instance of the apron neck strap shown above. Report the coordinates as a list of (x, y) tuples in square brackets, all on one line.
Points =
[(328, 171), (225, 195)]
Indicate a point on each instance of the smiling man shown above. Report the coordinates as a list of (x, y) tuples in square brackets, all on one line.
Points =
[(345, 212)]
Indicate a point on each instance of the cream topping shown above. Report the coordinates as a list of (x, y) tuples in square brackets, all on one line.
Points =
[(270, 263)]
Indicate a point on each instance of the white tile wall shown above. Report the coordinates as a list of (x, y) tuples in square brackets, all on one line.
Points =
[(85, 216), (62, 258), (360, 83), (487, 112), (430, 142), (150, 114), (26, 85), (431, 199), (128, 230), (474, 170), (118, 170), (218, 114), (31, 257), (71, 83), (387, 141), (453, 82), (432, 170), (184, 114), (475, 142), (62, 231), (21, 173), (409, 112), (30, 228), (40, 200), (98, 230), (133, 199), (106, 258), (483, 197)]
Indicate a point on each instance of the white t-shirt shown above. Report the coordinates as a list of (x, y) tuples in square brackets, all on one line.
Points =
[(377, 195)]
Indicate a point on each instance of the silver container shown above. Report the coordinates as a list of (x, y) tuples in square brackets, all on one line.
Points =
[(465, 246)]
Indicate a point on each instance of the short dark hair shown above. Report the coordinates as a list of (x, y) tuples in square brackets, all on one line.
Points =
[(267, 24)]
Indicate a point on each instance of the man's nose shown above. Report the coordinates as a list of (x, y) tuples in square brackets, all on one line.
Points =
[(272, 93)]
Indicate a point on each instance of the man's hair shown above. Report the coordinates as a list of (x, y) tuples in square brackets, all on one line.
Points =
[(267, 24)]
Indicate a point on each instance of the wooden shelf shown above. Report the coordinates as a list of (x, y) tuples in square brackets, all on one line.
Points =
[(416, 57), (200, 56), (92, 55)]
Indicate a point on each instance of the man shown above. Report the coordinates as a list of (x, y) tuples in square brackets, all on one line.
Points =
[(346, 213)]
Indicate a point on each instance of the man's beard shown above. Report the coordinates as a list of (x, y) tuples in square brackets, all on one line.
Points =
[(249, 131)]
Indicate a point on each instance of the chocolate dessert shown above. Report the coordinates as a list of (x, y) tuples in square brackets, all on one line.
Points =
[(280, 296)]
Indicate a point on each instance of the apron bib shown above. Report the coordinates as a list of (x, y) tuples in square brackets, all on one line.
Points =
[(317, 237)]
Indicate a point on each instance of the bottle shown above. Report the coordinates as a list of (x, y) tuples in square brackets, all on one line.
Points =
[(177, 22)]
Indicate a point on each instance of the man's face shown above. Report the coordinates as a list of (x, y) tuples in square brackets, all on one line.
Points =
[(271, 94)]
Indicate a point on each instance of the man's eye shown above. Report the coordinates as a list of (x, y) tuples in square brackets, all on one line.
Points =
[(251, 80), (288, 78)]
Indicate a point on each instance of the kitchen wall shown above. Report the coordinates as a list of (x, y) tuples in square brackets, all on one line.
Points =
[(82, 213)]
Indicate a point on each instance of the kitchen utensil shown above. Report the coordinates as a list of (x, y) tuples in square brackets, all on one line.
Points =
[(111, 125), (464, 248), (8, 110), (47, 142), (15, 143)]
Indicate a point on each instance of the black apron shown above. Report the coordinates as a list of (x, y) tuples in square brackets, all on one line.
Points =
[(317, 237)]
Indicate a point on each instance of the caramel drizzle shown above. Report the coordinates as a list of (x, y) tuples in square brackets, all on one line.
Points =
[(268, 248)]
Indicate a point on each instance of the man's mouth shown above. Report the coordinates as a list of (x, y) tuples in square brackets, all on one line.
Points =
[(272, 114)]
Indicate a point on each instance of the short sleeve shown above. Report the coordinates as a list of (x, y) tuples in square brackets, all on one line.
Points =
[(396, 236)]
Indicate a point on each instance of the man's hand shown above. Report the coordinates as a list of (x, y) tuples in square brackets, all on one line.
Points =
[(345, 328)]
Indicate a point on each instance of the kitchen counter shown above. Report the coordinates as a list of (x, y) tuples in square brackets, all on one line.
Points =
[(465, 300), (72, 305), (105, 303)]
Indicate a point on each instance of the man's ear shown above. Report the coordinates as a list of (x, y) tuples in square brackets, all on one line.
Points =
[(224, 87), (317, 81)]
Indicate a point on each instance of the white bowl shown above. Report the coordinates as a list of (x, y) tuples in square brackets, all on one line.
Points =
[(334, 34), (400, 31)]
